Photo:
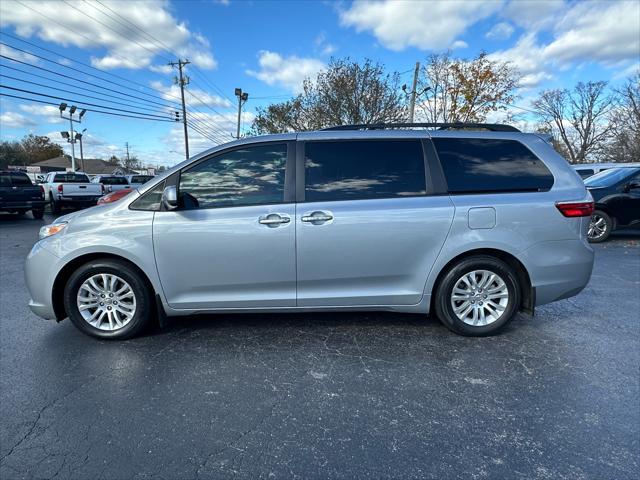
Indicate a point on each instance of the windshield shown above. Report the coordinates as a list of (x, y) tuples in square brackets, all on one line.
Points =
[(140, 178), (114, 181), (610, 177), (70, 178)]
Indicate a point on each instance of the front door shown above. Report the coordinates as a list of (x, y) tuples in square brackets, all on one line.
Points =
[(368, 231), (231, 242)]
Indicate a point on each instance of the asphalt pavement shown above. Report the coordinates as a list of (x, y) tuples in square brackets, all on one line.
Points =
[(359, 395)]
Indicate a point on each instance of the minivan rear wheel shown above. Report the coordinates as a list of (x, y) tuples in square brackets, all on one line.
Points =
[(478, 296), (108, 299)]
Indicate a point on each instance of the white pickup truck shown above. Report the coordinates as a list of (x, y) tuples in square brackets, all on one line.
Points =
[(70, 189)]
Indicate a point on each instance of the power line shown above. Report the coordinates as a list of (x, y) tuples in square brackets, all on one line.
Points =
[(75, 93), (71, 68), (136, 101), (87, 109), (81, 63), (78, 101)]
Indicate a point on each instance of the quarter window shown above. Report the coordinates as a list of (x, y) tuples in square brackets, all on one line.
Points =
[(473, 165), (363, 169), (252, 175)]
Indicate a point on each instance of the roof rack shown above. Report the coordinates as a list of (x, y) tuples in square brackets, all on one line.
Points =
[(492, 127)]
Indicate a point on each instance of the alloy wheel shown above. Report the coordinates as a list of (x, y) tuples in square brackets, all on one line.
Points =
[(479, 297), (106, 302)]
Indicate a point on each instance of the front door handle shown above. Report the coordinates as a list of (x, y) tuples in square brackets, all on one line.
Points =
[(317, 217), (273, 220)]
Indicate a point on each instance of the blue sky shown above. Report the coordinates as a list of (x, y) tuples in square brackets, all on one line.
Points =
[(268, 47)]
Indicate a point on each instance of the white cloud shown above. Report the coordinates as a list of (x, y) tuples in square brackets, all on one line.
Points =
[(288, 72), (434, 25), (194, 98), (607, 33), (126, 46), (534, 14), (458, 44), (500, 31), (597, 31), (15, 120), (48, 113), (16, 54), (322, 44)]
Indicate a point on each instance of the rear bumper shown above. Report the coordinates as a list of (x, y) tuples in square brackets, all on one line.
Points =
[(80, 200), (23, 205), (558, 269)]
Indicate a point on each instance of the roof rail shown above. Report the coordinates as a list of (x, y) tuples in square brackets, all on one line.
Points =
[(492, 127)]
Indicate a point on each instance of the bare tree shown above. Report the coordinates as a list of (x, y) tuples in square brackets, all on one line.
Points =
[(466, 90), (625, 123), (346, 93), (579, 116)]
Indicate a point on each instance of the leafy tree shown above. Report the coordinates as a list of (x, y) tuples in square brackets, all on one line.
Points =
[(31, 149), (113, 160), (346, 93), (579, 116), (40, 147), (465, 90), (625, 123)]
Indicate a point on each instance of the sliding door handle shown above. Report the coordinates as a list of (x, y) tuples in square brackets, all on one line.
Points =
[(317, 217), (273, 220)]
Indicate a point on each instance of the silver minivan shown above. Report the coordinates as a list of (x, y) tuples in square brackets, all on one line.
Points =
[(472, 223)]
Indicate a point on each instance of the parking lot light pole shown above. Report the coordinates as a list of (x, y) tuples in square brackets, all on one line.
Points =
[(242, 99), (72, 138)]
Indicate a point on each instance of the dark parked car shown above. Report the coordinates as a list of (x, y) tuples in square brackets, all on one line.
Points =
[(616, 193), (19, 195)]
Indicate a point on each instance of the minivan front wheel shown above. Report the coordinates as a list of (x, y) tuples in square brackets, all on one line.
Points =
[(478, 296), (108, 299)]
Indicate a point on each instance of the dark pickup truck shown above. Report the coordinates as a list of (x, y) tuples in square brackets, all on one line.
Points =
[(19, 195)]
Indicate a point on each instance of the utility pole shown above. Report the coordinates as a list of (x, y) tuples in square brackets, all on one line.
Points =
[(242, 98), (412, 105), (71, 136), (183, 81), (79, 138), (127, 161)]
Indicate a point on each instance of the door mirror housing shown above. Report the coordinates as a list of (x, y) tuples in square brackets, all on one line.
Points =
[(170, 197), (633, 185)]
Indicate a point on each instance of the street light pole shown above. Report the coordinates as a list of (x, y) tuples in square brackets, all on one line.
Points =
[(79, 138)]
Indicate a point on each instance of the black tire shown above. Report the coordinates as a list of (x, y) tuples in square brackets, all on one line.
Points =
[(143, 296), (55, 207), (38, 213), (595, 236), (443, 301)]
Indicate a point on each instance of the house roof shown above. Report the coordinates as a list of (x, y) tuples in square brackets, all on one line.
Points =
[(92, 166)]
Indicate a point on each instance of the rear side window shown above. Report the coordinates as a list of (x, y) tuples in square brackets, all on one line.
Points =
[(70, 178), (473, 165), (363, 169)]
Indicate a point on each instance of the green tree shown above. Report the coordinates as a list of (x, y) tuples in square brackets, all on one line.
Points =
[(39, 147), (11, 153), (465, 90), (346, 93)]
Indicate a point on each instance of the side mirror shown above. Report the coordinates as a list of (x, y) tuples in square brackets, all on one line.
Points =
[(631, 186), (170, 197)]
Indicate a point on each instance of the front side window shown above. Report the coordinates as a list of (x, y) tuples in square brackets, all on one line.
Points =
[(476, 165), (363, 169), (251, 175)]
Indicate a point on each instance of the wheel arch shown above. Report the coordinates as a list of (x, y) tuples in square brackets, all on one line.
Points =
[(603, 207), (528, 296), (57, 292)]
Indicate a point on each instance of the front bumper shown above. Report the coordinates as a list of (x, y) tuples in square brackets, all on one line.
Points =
[(41, 269)]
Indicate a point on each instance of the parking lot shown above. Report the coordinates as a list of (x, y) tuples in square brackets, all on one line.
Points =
[(362, 395)]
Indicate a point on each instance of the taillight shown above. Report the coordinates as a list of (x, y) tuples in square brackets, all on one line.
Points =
[(60, 187), (575, 209)]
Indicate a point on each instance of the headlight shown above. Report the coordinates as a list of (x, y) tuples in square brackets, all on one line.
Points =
[(51, 229)]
